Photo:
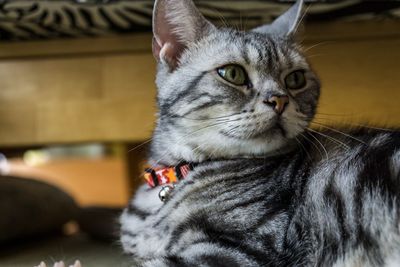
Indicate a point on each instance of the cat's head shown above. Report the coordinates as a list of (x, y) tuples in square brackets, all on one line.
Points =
[(225, 93)]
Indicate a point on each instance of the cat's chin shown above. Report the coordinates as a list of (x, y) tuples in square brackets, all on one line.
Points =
[(219, 147), (278, 131)]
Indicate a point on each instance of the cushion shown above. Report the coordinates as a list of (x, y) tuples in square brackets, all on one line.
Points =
[(29, 208)]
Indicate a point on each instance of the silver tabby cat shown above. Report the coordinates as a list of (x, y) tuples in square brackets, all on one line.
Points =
[(266, 190)]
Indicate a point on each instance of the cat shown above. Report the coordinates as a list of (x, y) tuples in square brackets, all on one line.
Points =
[(263, 188)]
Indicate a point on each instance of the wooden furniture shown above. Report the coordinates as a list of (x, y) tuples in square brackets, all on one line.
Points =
[(76, 91), (103, 89)]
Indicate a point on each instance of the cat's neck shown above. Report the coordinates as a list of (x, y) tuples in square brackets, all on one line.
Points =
[(164, 153)]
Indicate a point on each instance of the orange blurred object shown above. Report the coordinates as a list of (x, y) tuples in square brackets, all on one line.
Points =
[(89, 181)]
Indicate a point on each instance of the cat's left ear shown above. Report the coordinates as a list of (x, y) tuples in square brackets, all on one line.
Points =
[(176, 24), (286, 24)]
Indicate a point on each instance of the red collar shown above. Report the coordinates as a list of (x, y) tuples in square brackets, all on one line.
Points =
[(167, 175)]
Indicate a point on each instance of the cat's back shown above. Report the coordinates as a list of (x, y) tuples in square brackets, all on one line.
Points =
[(361, 156), (351, 201), (340, 201)]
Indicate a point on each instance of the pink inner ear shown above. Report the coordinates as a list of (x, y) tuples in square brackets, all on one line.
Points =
[(156, 49), (171, 52), (168, 51), (166, 45)]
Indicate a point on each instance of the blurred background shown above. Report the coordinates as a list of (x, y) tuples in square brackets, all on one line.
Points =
[(77, 103)]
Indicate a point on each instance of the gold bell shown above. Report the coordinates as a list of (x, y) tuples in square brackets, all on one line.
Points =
[(165, 192)]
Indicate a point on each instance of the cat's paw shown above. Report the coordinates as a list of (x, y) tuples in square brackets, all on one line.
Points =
[(155, 263), (60, 264)]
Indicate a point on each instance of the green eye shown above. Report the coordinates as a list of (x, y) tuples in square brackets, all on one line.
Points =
[(295, 80), (234, 74)]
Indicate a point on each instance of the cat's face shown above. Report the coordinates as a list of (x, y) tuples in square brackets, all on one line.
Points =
[(229, 93)]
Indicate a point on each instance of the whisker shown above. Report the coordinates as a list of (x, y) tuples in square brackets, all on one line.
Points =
[(186, 135), (305, 137), (373, 128), (196, 148), (213, 118), (240, 22), (359, 125), (212, 153), (229, 120), (329, 137), (304, 148), (222, 18), (323, 147), (232, 129), (334, 114), (340, 132), (315, 55), (140, 145), (316, 45), (301, 19), (352, 124)]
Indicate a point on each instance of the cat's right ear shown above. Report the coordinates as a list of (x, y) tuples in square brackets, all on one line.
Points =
[(286, 24), (176, 24)]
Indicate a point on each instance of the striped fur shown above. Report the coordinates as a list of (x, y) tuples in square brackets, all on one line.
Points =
[(263, 193)]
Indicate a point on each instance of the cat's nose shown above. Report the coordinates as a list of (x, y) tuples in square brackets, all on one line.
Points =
[(277, 102)]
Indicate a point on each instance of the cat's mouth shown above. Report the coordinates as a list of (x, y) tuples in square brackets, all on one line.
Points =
[(281, 128), (255, 130)]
